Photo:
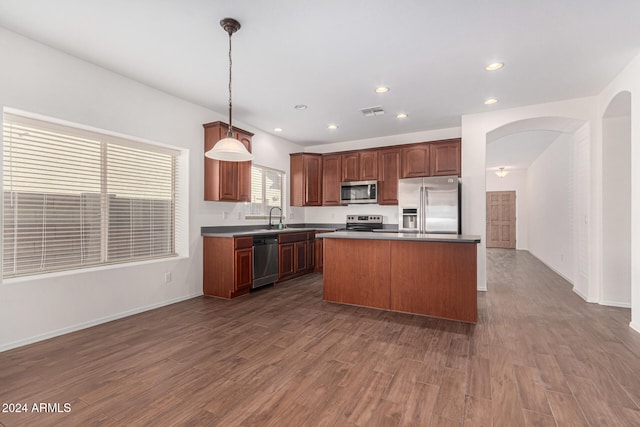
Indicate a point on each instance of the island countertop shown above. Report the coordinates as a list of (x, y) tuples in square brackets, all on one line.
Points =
[(408, 237)]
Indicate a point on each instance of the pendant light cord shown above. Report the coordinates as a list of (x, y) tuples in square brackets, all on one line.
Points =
[(229, 132)]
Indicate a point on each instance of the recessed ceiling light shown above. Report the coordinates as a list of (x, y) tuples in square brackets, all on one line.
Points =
[(495, 66), (382, 89), (277, 129), (332, 127), (300, 107), (402, 116), (490, 101)]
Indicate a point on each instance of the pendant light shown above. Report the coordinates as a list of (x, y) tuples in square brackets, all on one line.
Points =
[(502, 173), (229, 149)]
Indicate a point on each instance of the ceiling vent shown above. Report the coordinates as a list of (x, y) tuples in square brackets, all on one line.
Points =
[(372, 111)]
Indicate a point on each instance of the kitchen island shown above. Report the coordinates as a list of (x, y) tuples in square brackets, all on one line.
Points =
[(427, 274)]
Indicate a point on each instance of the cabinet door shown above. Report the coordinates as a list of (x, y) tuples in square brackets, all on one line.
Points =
[(368, 165), (244, 170), (350, 167), (244, 269), (389, 173), (311, 253), (285, 260), (318, 256), (313, 182), (415, 161), (331, 173), (300, 262), (226, 181), (445, 158)]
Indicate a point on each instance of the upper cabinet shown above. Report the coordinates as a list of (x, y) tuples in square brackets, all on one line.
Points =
[(388, 175), (445, 158), (315, 178), (360, 166), (306, 179), (331, 175), (436, 158), (350, 167), (368, 164), (226, 181), (415, 160)]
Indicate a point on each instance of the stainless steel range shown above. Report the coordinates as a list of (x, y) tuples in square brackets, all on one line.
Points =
[(363, 222)]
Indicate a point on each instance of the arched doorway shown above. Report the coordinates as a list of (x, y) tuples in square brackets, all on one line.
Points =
[(616, 202), (557, 193)]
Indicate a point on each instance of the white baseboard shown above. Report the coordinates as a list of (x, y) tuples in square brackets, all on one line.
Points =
[(635, 327), (73, 328), (581, 295), (616, 304)]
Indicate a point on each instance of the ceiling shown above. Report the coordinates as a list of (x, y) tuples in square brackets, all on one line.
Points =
[(519, 150), (330, 55)]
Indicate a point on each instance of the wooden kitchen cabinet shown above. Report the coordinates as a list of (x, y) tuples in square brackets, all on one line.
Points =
[(311, 250), (286, 267), (388, 174), (292, 255), (227, 266), (360, 166), (300, 261), (368, 165), (445, 157), (306, 179), (318, 258), (331, 175), (244, 269), (350, 167), (415, 160), (226, 181)]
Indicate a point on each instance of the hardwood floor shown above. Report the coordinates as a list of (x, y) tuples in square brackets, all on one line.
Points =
[(539, 356)]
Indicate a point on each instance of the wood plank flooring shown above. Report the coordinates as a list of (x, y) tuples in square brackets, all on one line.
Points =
[(539, 356)]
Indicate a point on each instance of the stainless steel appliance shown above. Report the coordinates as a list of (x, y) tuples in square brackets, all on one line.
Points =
[(358, 192), (429, 205), (265, 260), (363, 222)]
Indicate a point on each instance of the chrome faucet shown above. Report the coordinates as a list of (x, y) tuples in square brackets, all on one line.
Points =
[(271, 210)]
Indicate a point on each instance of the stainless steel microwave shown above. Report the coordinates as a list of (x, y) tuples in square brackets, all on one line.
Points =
[(358, 192)]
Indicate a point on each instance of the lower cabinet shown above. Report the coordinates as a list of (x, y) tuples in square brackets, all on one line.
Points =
[(318, 258), (285, 260), (227, 266), (296, 254)]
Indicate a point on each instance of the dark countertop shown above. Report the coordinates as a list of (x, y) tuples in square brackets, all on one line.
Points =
[(410, 237), (245, 231)]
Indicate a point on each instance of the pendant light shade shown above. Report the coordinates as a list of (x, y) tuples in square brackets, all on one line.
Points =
[(229, 149), (501, 173)]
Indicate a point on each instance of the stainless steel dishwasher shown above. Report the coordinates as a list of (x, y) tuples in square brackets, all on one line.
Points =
[(265, 260)]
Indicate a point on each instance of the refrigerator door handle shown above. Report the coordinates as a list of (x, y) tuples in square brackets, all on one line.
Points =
[(422, 212)]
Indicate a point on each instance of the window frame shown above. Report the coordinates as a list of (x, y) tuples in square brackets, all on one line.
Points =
[(106, 138), (283, 179)]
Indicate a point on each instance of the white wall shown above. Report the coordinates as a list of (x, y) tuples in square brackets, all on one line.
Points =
[(550, 199), (516, 180), (44, 81), (629, 80)]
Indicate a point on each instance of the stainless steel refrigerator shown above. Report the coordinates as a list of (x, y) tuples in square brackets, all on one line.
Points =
[(429, 205)]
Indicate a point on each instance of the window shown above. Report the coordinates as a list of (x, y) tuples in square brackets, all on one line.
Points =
[(75, 198), (267, 188)]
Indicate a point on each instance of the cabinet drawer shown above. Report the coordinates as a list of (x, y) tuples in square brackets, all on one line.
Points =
[(292, 237), (243, 242)]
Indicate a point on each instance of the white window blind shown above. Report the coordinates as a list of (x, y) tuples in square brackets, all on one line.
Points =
[(75, 198), (267, 189)]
